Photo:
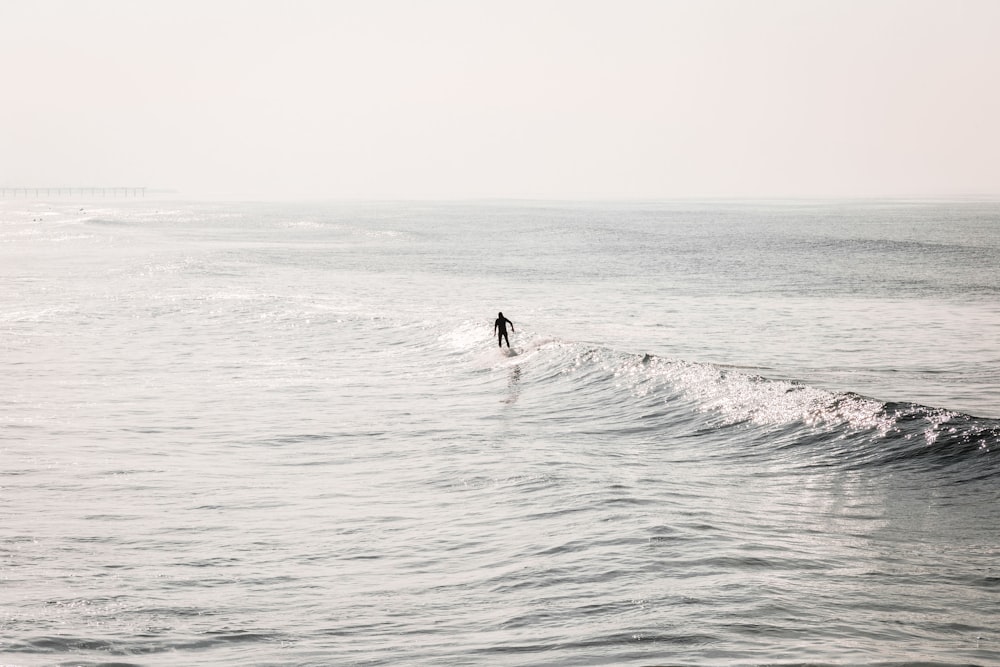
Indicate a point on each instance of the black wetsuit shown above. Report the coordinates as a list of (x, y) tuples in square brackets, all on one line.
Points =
[(500, 327)]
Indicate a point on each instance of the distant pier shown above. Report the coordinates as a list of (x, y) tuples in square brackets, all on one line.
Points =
[(73, 193)]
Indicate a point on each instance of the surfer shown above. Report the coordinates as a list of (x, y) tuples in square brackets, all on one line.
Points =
[(500, 329)]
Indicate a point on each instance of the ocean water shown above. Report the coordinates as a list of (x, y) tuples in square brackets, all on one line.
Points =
[(727, 433)]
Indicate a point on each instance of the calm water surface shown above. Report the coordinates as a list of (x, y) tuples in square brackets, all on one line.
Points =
[(273, 434)]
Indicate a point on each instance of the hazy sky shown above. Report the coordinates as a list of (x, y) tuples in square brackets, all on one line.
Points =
[(574, 99)]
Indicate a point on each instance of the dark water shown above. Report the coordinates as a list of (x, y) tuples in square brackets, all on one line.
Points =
[(728, 433)]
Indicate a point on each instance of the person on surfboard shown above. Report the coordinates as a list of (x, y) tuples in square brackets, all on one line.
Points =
[(500, 329)]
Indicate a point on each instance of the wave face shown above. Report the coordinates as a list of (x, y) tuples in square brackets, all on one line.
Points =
[(784, 421)]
